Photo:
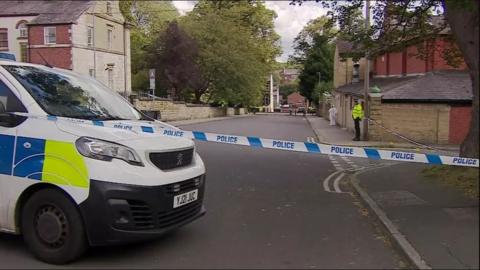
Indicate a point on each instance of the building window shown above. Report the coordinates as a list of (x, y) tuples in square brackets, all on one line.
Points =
[(91, 72), (90, 36), (110, 76), (109, 8), (109, 38), (23, 52), (23, 30), (3, 39), (50, 34)]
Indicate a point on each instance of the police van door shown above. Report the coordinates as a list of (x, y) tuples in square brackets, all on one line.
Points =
[(9, 104)]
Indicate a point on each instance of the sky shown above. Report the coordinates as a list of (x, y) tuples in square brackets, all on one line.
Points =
[(289, 22)]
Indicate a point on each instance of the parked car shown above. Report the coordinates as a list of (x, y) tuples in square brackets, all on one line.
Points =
[(285, 108), (7, 56)]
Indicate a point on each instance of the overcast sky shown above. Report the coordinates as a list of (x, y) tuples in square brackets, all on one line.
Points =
[(290, 19)]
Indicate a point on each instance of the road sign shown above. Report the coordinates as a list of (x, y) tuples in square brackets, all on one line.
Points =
[(151, 76)]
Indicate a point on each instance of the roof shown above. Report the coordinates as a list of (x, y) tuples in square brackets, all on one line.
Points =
[(385, 84), (437, 87), (49, 12), (445, 87), (290, 71)]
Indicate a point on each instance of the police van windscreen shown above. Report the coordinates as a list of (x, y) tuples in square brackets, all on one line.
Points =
[(65, 94)]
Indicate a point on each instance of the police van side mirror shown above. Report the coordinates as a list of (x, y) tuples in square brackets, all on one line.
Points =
[(6, 119), (10, 120)]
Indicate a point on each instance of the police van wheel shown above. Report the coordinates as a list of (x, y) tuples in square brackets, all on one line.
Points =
[(52, 227)]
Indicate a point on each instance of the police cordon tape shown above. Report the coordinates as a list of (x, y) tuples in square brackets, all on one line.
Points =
[(256, 142)]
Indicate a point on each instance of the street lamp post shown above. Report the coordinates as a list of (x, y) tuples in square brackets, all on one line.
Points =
[(367, 76), (271, 93)]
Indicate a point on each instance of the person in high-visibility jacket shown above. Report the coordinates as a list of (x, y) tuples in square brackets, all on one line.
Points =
[(357, 115)]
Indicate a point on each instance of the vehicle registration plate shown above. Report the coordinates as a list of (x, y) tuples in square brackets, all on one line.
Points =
[(185, 198)]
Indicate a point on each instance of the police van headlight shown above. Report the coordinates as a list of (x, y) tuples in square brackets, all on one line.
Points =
[(103, 150)]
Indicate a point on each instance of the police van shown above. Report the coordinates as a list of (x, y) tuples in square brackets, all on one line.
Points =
[(80, 166)]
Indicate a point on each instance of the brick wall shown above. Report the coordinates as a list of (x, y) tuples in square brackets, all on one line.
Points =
[(172, 111), (395, 63), (438, 62), (36, 34), (414, 64), (425, 123), (381, 65), (57, 55), (459, 123), (407, 62)]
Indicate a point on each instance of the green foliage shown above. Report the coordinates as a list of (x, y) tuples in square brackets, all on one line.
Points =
[(287, 89), (175, 55), (320, 90), (148, 19), (288, 64), (304, 41), (222, 51), (237, 48), (319, 59)]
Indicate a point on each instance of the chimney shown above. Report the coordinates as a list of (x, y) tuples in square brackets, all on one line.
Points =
[(356, 73)]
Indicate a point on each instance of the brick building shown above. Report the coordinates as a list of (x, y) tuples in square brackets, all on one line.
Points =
[(89, 37), (289, 75), (295, 100), (424, 99)]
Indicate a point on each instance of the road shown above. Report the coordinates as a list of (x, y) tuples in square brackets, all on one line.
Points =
[(266, 209)]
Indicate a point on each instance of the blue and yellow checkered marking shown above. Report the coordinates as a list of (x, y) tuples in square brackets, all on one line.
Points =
[(43, 160)]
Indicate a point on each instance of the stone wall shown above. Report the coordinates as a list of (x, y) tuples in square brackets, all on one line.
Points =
[(422, 122), (174, 111)]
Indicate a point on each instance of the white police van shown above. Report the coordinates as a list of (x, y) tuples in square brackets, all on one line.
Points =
[(80, 166)]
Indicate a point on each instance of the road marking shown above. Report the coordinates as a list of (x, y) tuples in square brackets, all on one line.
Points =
[(336, 183), (325, 182), (351, 163)]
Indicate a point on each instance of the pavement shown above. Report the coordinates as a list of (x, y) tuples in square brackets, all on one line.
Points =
[(341, 136), (434, 225)]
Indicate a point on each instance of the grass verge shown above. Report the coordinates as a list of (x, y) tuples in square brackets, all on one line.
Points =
[(461, 178)]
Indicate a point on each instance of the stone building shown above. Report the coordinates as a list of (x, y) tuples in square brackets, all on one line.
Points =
[(89, 37)]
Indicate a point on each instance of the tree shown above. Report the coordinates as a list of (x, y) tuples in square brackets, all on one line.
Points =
[(237, 48), (303, 42), (320, 90), (319, 59), (175, 56), (287, 89), (148, 19), (401, 23)]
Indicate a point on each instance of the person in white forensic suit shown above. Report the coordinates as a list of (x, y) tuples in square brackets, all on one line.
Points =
[(333, 115)]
